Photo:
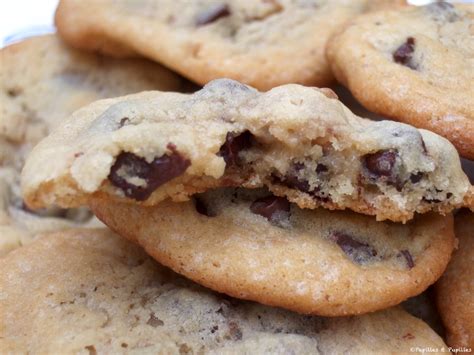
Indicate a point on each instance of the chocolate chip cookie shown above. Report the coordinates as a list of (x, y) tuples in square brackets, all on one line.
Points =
[(455, 289), (264, 43), (42, 82), (414, 65), (253, 245), (300, 142), (93, 292)]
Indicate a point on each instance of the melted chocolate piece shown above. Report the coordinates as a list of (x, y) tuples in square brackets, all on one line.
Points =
[(124, 121), (321, 168), (234, 144), (381, 164), (202, 207), (403, 54), (415, 178), (269, 206), (358, 252), (212, 14), (409, 259), (154, 174), (292, 180)]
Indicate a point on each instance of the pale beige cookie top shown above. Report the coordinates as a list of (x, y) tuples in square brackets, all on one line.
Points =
[(455, 290), (255, 246), (299, 141), (93, 292), (415, 65), (262, 43), (42, 82)]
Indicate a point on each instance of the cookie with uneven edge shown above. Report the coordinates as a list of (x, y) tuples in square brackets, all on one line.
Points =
[(262, 43), (93, 292), (42, 82), (414, 65), (255, 246), (300, 142), (455, 289)]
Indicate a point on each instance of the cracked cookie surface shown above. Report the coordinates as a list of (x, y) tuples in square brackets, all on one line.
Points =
[(253, 245), (42, 82), (91, 291), (300, 142), (264, 43), (414, 65)]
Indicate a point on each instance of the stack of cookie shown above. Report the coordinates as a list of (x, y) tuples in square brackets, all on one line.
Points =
[(306, 223)]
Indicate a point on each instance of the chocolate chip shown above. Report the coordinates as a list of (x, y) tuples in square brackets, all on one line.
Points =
[(415, 178), (271, 207), (202, 207), (403, 54), (129, 166), (14, 92), (409, 259), (381, 163), (321, 168), (234, 144), (359, 252), (292, 180), (212, 14), (124, 121)]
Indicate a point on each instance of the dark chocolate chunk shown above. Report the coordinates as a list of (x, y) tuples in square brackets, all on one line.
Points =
[(161, 170), (124, 121), (415, 178), (381, 163), (409, 259), (292, 179), (234, 144), (202, 207), (212, 14), (321, 168), (358, 252), (403, 55), (270, 206)]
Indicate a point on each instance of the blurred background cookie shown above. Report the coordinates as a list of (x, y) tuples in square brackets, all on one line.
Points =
[(455, 289), (413, 65), (42, 81)]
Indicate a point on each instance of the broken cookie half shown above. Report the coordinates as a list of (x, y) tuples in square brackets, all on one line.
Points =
[(299, 142)]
